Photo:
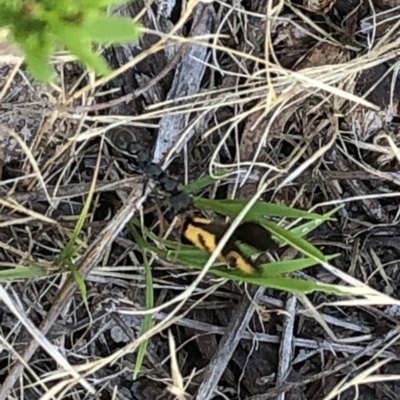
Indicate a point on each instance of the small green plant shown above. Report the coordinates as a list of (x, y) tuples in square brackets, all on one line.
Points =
[(274, 274), (42, 27)]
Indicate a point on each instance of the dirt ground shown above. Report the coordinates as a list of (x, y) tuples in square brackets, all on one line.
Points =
[(307, 99)]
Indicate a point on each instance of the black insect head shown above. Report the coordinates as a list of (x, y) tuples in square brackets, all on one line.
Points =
[(179, 200)]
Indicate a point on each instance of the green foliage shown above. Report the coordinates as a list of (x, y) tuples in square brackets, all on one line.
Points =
[(41, 27), (68, 254), (21, 272), (274, 274), (148, 318), (232, 207)]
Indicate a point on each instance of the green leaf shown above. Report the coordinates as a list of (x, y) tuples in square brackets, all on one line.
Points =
[(37, 27), (296, 285), (198, 184), (197, 258), (78, 279), (261, 208), (148, 318), (32, 271), (75, 40), (37, 50), (69, 250), (266, 279), (104, 29), (91, 4), (286, 284), (289, 266), (297, 242), (305, 229), (39, 68), (191, 257)]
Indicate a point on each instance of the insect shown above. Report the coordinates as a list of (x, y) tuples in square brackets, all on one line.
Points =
[(206, 234), (179, 200)]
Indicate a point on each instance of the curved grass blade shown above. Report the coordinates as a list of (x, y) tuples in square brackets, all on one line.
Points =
[(297, 242), (285, 267), (287, 284), (232, 208), (29, 272), (306, 228)]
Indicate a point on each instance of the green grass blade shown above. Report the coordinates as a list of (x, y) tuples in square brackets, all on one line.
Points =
[(78, 279), (295, 241), (198, 184), (266, 279), (148, 318), (306, 228), (104, 29), (19, 272), (232, 208), (196, 258), (288, 266), (67, 254)]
